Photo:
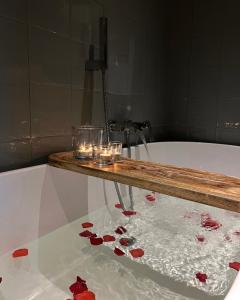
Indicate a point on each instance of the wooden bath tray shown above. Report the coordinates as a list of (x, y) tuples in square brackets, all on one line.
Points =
[(198, 186)]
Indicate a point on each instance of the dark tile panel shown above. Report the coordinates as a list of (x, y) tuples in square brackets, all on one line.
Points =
[(202, 134), (77, 107), (42, 147), (79, 56), (50, 58), (230, 81), (15, 9), (202, 112), (228, 136), (228, 111), (14, 112), (13, 53), (14, 155), (51, 15), (50, 110), (85, 20)]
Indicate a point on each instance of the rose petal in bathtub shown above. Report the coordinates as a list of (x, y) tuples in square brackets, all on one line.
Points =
[(129, 213), (96, 241), (237, 232), (121, 230), (109, 238), (235, 265), (86, 295), (0, 279), (118, 205), (200, 238), (227, 237), (201, 277), (118, 252), (210, 224), (150, 197), (136, 253), (87, 234), (124, 242), (78, 286), (20, 253), (87, 225)]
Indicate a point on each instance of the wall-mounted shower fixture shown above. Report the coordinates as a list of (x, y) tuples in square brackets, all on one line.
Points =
[(93, 64)]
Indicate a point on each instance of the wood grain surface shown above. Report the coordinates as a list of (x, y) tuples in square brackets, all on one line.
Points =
[(199, 186)]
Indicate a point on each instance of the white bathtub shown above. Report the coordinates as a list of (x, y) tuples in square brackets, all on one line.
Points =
[(36, 201)]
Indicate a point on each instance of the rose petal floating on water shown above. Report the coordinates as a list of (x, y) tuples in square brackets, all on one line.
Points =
[(235, 265), (96, 241), (201, 277), (86, 295), (87, 225), (78, 287), (227, 238), (150, 197), (129, 213), (136, 253), (120, 230), (0, 279), (118, 252), (210, 224), (87, 234), (118, 205), (237, 232), (109, 238), (20, 253), (200, 238), (124, 242)]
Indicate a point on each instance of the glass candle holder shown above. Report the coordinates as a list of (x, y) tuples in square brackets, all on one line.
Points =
[(85, 138), (103, 155), (116, 150)]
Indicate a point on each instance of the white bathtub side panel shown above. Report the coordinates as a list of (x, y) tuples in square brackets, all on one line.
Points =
[(20, 198), (64, 199)]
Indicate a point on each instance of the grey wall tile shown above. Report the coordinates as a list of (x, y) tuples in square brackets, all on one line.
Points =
[(52, 15), (14, 113), (77, 107), (51, 110), (16, 9), (228, 110), (50, 58), (14, 53), (42, 147), (14, 155), (85, 20), (79, 55)]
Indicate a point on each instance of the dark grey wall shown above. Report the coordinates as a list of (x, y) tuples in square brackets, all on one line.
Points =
[(203, 73), (44, 90)]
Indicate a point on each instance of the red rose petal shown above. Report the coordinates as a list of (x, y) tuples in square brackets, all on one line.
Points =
[(129, 213), (227, 238), (87, 234), (235, 265), (20, 253), (96, 241), (237, 232), (200, 238), (108, 238), (150, 197), (209, 223), (0, 279), (124, 242), (86, 295), (87, 225), (121, 230), (201, 277), (118, 252), (118, 205), (78, 287), (136, 253)]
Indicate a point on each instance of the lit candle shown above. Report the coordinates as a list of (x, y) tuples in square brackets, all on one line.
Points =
[(85, 151)]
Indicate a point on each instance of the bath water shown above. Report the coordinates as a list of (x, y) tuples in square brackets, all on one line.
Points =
[(165, 229)]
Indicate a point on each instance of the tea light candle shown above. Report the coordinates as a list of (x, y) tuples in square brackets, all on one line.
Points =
[(105, 157), (85, 151), (116, 148)]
